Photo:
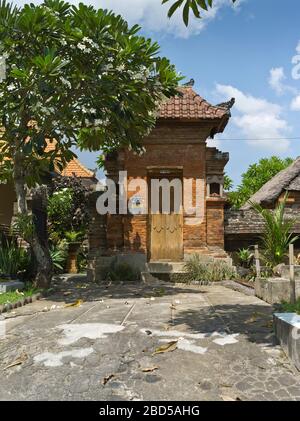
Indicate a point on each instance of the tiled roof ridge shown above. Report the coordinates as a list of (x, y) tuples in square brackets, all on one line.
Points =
[(188, 104)]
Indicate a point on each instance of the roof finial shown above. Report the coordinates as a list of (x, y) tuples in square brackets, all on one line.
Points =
[(191, 82), (228, 105)]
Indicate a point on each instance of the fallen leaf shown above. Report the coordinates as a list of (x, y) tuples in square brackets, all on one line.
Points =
[(172, 307), (20, 360), (168, 347), (148, 332), (77, 303), (254, 317), (107, 379), (269, 324), (67, 293), (19, 292), (227, 398), (149, 369)]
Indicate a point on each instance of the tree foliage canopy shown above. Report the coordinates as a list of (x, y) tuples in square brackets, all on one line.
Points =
[(190, 6), (255, 177), (76, 74)]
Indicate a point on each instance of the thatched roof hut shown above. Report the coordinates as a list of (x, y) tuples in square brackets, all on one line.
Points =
[(285, 181)]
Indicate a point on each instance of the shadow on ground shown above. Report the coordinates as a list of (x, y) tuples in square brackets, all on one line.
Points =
[(253, 321), (76, 287)]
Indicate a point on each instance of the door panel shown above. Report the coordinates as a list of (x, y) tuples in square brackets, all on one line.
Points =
[(166, 237), (166, 231)]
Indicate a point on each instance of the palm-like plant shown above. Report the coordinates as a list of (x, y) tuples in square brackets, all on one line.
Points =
[(278, 232)]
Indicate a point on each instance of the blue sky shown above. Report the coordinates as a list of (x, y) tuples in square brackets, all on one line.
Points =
[(245, 52)]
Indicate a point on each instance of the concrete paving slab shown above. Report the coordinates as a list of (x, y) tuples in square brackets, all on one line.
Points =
[(224, 346)]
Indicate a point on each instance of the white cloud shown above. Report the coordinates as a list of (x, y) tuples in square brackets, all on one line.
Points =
[(295, 104), (257, 119), (276, 81), (152, 15)]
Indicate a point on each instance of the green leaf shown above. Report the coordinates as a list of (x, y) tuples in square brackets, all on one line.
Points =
[(202, 4), (185, 13), (174, 7), (195, 9)]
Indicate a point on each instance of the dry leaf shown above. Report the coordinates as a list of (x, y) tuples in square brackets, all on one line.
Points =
[(77, 303), (252, 319), (67, 293), (107, 379), (20, 360), (172, 307), (149, 369), (269, 324), (228, 398), (168, 347)]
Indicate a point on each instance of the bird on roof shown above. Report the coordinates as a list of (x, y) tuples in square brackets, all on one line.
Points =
[(228, 104), (191, 82)]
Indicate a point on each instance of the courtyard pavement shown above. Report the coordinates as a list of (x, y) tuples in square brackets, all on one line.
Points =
[(144, 342)]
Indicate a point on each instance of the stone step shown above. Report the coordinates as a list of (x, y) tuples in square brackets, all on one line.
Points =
[(165, 267)]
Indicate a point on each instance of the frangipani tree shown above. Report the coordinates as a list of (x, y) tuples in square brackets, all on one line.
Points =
[(77, 75)]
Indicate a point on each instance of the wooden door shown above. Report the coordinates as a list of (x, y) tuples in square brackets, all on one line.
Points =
[(166, 232)]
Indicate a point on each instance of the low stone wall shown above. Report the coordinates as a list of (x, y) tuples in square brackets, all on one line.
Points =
[(287, 331), (275, 290)]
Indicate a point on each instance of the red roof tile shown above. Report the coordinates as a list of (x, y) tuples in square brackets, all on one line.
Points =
[(74, 168), (190, 105)]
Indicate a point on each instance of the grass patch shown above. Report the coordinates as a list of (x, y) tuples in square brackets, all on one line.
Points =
[(13, 296), (290, 308), (204, 273)]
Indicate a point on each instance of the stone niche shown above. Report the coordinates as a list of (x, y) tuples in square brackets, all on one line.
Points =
[(214, 185)]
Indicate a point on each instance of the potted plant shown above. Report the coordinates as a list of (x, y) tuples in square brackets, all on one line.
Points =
[(74, 239)]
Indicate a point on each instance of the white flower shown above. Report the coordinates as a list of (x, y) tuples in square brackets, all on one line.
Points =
[(11, 87), (65, 82), (90, 42), (81, 46)]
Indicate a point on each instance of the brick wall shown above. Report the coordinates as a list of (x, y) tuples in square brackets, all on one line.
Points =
[(215, 223), (174, 147)]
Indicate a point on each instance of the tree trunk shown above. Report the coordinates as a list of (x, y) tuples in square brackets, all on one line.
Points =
[(42, 259)]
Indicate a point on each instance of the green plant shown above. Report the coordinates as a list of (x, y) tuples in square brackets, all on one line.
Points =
[(82, 260), (13, 296), (23, 225), (277, 234), (58, 255), (198, 271), (245, 256), (74, 236), (59, 209), (13, 258), (290, 308), (117, 272)]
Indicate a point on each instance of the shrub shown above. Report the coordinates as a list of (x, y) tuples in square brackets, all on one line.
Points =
[(67, 207), (198, 271), (58, 255), (13, 258), (278, 233), (290, 308), (117, 272), (245, 256)]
